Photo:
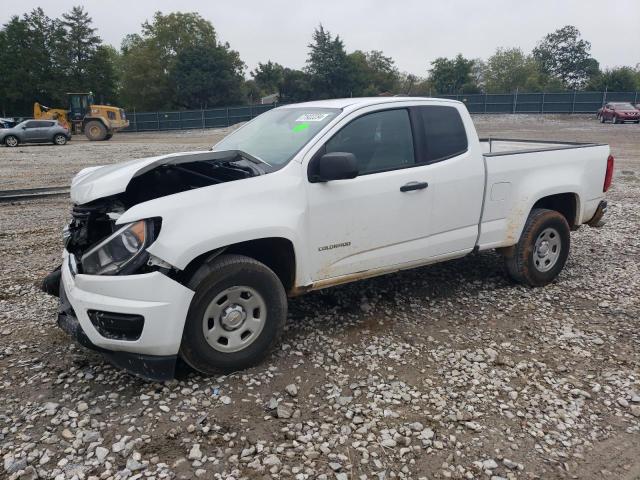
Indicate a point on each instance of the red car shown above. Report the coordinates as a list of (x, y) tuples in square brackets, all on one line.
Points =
[(619, 112)]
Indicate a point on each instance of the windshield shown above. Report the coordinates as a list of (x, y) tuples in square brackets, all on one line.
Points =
[(277, 135)]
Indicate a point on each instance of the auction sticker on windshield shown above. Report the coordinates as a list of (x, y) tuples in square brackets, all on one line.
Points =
[(312, 117)]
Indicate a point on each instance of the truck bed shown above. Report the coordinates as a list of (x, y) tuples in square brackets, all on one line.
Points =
[(492, 147), (519, 172)]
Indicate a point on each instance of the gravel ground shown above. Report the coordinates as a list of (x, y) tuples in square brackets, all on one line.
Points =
[(447, 371)]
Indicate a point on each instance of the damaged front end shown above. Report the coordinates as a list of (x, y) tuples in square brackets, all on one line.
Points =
[(116, 297), (102, 247)]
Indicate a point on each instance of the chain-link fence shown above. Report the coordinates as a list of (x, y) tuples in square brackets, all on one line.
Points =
[(192, 119), (562, 102), (518, 102)]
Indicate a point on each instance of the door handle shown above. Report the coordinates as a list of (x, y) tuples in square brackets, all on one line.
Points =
[(408, 187)]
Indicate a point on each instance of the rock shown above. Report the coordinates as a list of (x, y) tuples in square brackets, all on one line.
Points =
[(67, 435), (271, 460), (635, 410), (225, 400), (336, 467), (489, 464), (82, 407), (195, 453), (135, 465), (416, 426), (101, 454), (388, 443), (13, 465), (282, 411), (200, 472), (292, 390), (622, 402), (164, 408), (247, 452), (342, 476)]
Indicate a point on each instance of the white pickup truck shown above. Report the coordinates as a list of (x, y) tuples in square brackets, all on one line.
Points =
[(194, 254)]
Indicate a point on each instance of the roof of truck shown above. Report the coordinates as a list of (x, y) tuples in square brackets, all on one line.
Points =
[(361, 102)]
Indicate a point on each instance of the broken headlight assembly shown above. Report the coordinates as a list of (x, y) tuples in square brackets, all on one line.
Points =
[(121, 252)]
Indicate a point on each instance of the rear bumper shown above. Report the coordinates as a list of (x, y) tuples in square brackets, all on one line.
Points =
[(160, 301)]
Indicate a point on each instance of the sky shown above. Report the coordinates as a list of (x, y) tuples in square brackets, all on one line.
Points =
[(412, 32)]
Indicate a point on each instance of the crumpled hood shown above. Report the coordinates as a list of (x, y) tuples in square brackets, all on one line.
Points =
[(98, 182)]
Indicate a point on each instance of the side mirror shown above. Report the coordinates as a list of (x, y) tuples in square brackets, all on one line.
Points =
[(333, 166)]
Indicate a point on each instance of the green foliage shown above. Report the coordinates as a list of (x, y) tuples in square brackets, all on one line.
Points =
[(178, 62), (563, 55), (510, 69), (42, 58), (269, 77), (207, 76), (329, 66), (452, 76), (623, 79)]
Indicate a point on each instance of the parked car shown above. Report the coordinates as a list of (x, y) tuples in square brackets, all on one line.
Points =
[(618, 112), (194, 254), (35, 131), (7, 123)]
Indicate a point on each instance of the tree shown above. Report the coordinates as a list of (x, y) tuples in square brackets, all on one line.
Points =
[(30, 66), (371, 73), (296, 86), (510, 69), (178, 62), (565, 56), (622, 79), (328, 66), (206, 76), (452, 76), (269, 77), (81, 48)]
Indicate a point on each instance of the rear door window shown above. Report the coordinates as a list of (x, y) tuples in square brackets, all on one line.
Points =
[(444, 132)]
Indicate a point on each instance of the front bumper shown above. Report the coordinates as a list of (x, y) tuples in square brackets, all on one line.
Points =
[(161, 301)]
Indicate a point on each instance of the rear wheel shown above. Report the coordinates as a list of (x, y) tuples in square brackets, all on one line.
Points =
[(11, 141), (59, 139), (614, 119), (108, 137), (236, 315), (601, 118), (540, 255), (95, 130)]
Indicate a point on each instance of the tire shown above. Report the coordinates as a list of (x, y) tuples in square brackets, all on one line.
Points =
[(108, 137), (614, 119), (540, 255), (11, 141), (224, 290), (601, 118), (59, 139), (95, 130)]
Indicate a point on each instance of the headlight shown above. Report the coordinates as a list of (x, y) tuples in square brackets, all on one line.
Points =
[(118, 250)]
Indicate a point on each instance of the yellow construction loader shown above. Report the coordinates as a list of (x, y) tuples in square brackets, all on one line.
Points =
[(97, 122)]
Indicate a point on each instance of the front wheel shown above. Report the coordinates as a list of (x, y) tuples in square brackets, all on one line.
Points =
[(539, 257), (95, 131), (236, 315), (614, 119), (11, 141)]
